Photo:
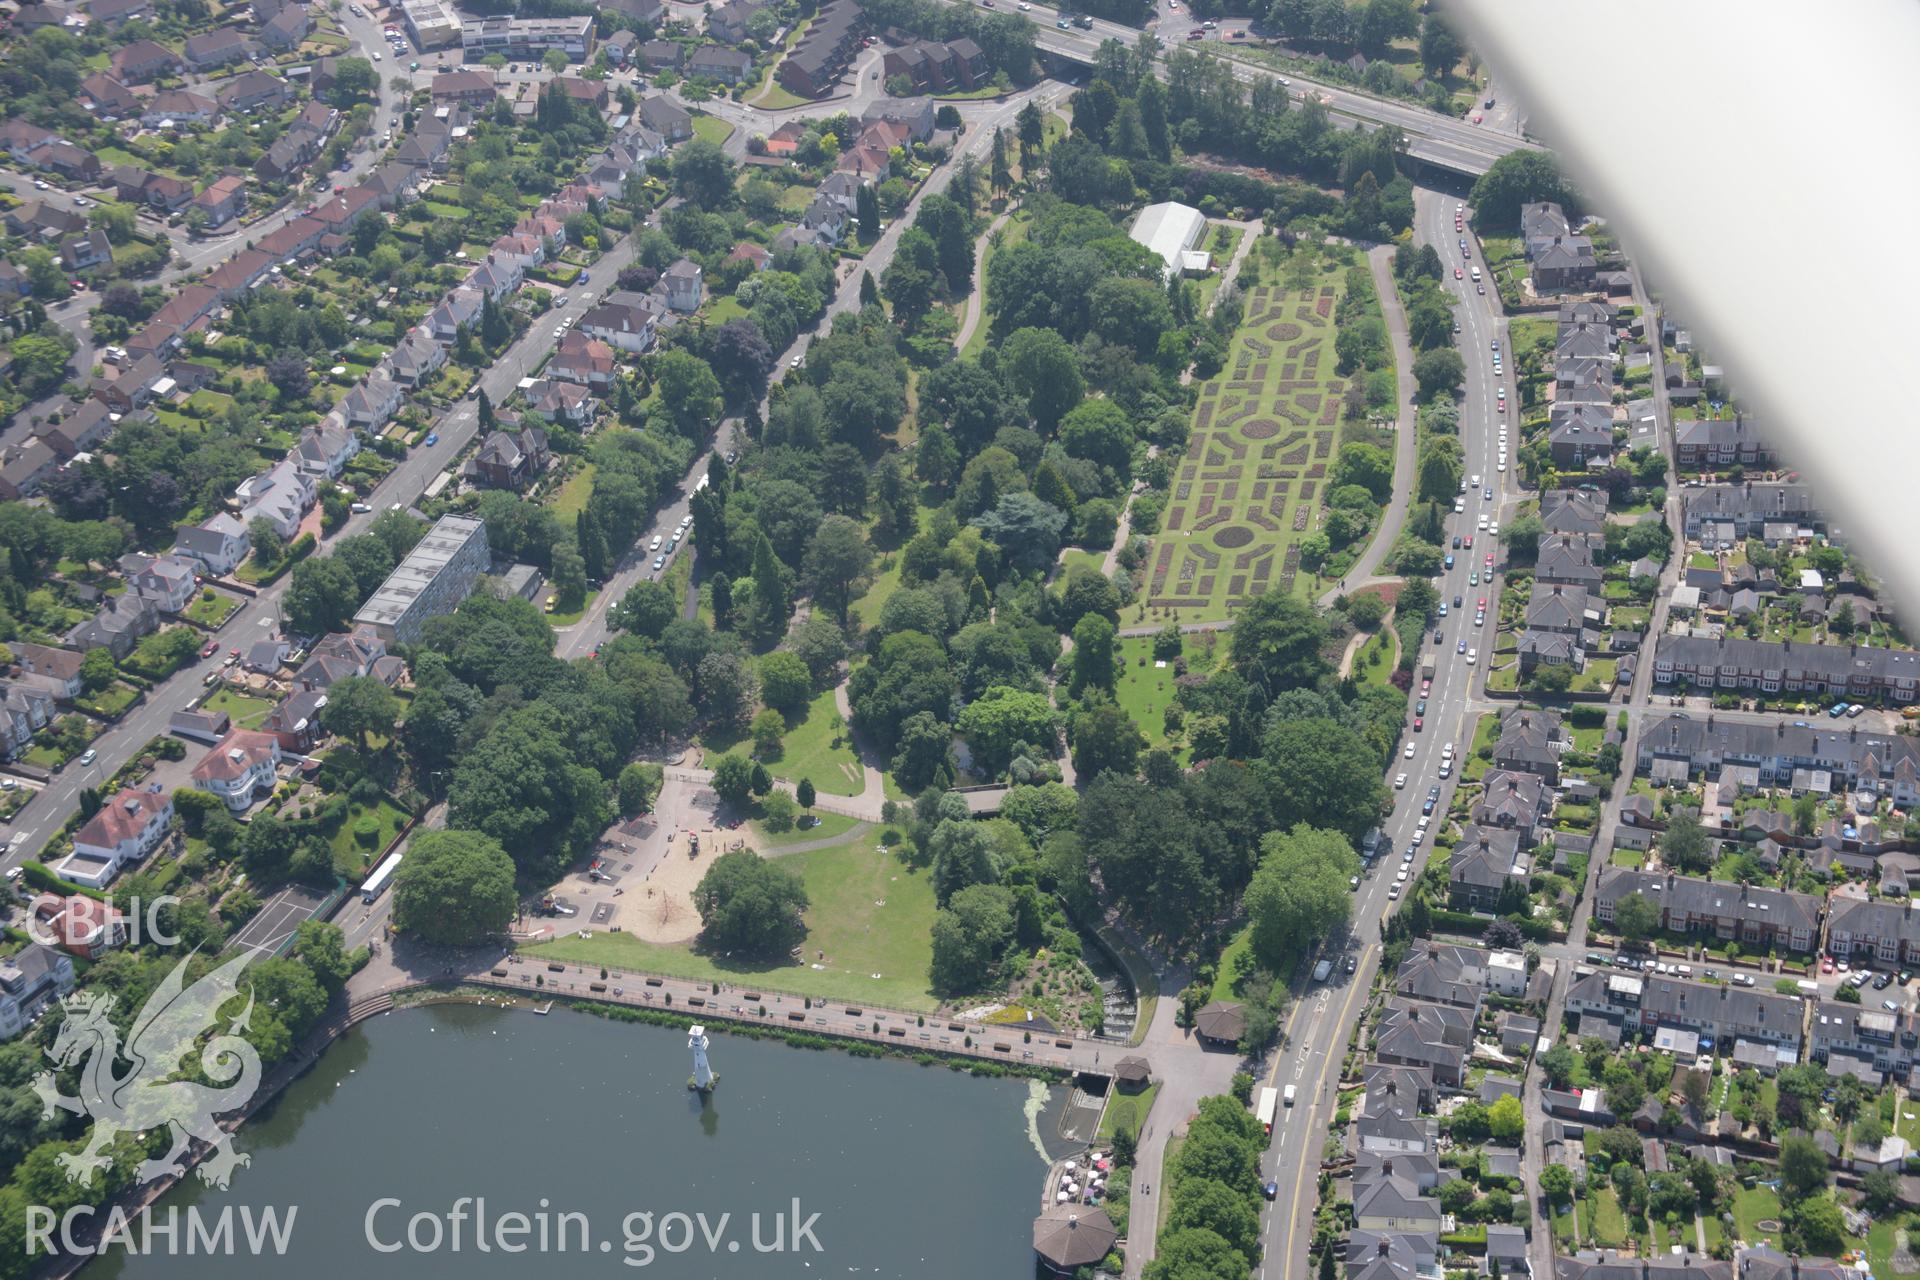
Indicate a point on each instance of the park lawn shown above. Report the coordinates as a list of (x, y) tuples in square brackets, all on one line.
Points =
[(820, 747), (1127, 1111), (1241, 944), (870, 914), (1609, 1222), (210, 608), (246, 711), (1145, 692), (712, 128), (832, 826), (1752, 1206), (353, 859), (1266, 430), (887, 581), (1374, 663), (1076, 557)]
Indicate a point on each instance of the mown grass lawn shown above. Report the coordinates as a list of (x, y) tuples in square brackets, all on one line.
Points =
[(354, 859), (1753, 1206), (820, 746), (570, 499), (1127, 1111), (869, 915), (712, 128), (1228, 969), (1609, 1221), (210, 608), (246, 710), (1145, 692), (831, 825)]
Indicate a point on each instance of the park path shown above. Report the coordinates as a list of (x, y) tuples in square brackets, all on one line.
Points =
[(1249, 232), (976, 299), (873, 789), (1365, 570)]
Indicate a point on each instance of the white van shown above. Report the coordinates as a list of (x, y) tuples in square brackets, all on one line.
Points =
[(1287, 1096), (1476, 275)]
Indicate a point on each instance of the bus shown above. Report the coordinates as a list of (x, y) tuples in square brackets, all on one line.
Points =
[(381, 877), (1269, 1103)]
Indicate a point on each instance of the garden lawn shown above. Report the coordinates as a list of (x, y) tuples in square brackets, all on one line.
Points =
[(820, 747), (246, 710), (869, 913), (1265, 434), (1753, 1206), (1609, 1223), (211, 608)]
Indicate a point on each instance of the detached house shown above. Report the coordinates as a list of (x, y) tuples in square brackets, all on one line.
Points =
[(219, 543), (119, 625), (280, 496), (728, 66), (511, 461), (582, 359), (241, 765), (168, 581), (682, 286), (626, 325), (124, 830)]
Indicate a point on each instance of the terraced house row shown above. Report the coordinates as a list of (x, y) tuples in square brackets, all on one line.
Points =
[(1860, 672)]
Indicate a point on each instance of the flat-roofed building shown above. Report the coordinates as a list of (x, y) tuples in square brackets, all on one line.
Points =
[(434, 578)]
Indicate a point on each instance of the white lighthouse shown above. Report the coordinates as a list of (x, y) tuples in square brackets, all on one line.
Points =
[(702, 1078)]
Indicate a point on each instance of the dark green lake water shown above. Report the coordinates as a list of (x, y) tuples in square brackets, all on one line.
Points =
[(913, 1171)]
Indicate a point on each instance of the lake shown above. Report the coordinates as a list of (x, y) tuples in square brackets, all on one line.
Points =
[(912, 1171)]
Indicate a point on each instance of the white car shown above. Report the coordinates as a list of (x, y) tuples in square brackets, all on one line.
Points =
[(376, 55), (1400, 783), (1473, 656), (1503, 467), (655, 544), (560, 331), (1393, 891), (1474, 483), (1483, 522), (1408, 753)]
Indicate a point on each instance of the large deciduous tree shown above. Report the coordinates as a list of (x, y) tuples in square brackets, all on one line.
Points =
[(454, 888)]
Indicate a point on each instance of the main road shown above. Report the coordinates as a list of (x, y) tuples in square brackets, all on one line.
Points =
[(1443, 141), (1317, 1030)]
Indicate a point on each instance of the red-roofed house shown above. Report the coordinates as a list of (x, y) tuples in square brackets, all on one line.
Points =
[(78, 925), (243, 763), (124, 831)]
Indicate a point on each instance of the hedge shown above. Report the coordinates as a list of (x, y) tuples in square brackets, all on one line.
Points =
[(41, 877)]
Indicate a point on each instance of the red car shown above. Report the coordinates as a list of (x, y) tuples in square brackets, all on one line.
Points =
[(233, 653), (1826, 964), (1469, 542), (210, 648), (1426, 687), (1419, 723), (1489, 559), (1458, 274), (1483, 603)]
